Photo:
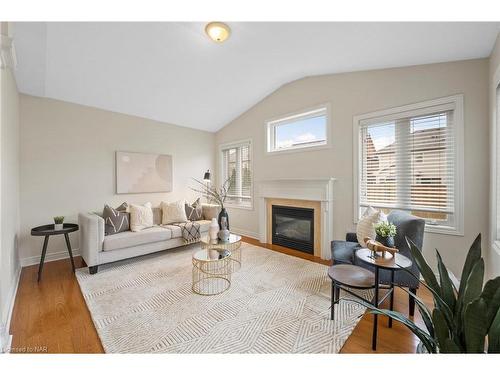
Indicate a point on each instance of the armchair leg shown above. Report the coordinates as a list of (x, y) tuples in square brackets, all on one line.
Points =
[(412, 302), (93, 269)]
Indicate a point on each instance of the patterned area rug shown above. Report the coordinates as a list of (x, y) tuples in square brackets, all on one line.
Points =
[(276, 304)]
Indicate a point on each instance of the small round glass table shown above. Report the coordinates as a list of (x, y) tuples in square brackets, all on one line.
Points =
[(211, 272), (233, 245)]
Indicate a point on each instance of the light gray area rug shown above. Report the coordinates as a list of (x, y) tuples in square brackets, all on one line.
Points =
[(276, 304)]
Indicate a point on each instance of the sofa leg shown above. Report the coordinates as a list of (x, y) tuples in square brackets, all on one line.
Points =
[(412, 301), (93, 269)]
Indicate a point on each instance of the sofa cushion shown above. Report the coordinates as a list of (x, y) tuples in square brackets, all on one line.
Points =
[(343, 251), (177, 232), (129, 239), (115, 221)]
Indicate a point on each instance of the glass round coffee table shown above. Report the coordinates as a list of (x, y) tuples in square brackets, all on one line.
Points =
[(233, 245), (211, 271)]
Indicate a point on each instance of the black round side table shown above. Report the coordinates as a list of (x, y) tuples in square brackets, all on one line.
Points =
[(49, 230)]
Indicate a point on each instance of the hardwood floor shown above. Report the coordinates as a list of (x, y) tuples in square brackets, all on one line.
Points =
[(52, 317)]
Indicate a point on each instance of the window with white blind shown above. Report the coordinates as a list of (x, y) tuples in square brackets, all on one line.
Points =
[(236, 161), (411, 158)]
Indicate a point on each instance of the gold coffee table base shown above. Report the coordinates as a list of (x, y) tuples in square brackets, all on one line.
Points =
[(211, 272)]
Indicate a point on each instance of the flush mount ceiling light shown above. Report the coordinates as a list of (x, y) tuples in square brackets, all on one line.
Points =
[(218, 31)]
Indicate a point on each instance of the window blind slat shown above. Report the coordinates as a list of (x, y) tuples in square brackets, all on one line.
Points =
[(408, 163)]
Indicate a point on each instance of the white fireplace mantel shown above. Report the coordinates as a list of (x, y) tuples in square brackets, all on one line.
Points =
[(311, 189)]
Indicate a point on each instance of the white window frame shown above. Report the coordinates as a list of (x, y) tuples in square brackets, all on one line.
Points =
[(456, 103), (273, 123), (225, 146), (495, 166)]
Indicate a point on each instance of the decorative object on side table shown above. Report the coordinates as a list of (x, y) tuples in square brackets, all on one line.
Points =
[(58, 222), (50, 230), (376, 247), (224, 232), (464, 313), (217, 195), (385, 233), (233, 245), (213, 230)]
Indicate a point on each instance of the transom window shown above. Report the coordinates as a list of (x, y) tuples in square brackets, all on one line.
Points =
[(303, 130), (237, 168), (409, 158)]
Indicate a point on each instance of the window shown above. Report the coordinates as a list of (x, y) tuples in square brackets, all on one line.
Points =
[(410, 158), (299, 131), (237, 168)]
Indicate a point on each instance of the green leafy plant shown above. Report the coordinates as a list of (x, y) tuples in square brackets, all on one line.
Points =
[(58, 219), (385, 229), (463, 316)]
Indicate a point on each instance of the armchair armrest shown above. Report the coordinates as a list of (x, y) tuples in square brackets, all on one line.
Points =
[(91, 237), (351, 237)]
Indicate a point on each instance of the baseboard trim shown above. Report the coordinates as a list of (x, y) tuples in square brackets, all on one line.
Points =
[(244, 232), (6, 337), (49, 257)]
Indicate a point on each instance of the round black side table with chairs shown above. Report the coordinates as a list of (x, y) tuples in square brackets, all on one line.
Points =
[(49, 230), (348, 276)]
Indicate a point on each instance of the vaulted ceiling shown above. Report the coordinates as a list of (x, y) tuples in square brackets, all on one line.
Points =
[(171, 72)]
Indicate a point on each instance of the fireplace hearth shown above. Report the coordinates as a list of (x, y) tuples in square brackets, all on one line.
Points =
[(293, 227)]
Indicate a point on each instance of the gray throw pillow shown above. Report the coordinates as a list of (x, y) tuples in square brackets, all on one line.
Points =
[(116, 220), (194, 212)]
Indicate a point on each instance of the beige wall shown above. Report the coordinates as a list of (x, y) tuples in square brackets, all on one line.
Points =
[(68, 161), (493, 255), (9, 191), (361, 92)]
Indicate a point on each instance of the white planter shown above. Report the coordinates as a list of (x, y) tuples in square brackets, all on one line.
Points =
[(58, 226)]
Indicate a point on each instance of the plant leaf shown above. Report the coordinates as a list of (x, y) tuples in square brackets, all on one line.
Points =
[(447, 291), (475, 328), (424, 312), (428, 341), (449, 346), (494, 335), (473, 256), (422, 265), (491, 294), (441, 328)]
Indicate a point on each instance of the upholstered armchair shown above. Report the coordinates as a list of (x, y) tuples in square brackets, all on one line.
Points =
[(407, 226)]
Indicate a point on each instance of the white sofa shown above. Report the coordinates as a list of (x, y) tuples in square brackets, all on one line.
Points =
[(97, 249)]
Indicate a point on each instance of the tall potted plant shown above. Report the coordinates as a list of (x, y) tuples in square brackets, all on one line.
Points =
[(465, 319), (217, 195)]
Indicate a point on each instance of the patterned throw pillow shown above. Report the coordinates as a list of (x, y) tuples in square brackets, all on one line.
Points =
[(116, 220), (194, 211), (365, 224), (141, 217)]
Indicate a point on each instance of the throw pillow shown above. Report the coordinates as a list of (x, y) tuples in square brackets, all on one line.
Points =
[(141, 217), (115, 220), (210, 211), (194, 211), (173, 212), (365, 224)]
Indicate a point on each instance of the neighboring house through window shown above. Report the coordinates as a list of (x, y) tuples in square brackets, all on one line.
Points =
[(236, 167), (411, 158)]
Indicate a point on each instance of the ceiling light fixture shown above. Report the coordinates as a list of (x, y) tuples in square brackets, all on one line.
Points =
[(218, 31)]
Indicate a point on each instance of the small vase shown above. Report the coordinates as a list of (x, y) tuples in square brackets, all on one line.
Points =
[(58, 226), (213, 229), (223, 213), (386, 241), (224, 232)]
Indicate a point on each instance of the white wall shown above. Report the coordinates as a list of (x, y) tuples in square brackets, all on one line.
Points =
[(356, 93), (9, 194), (68, 161), (493, 255)]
